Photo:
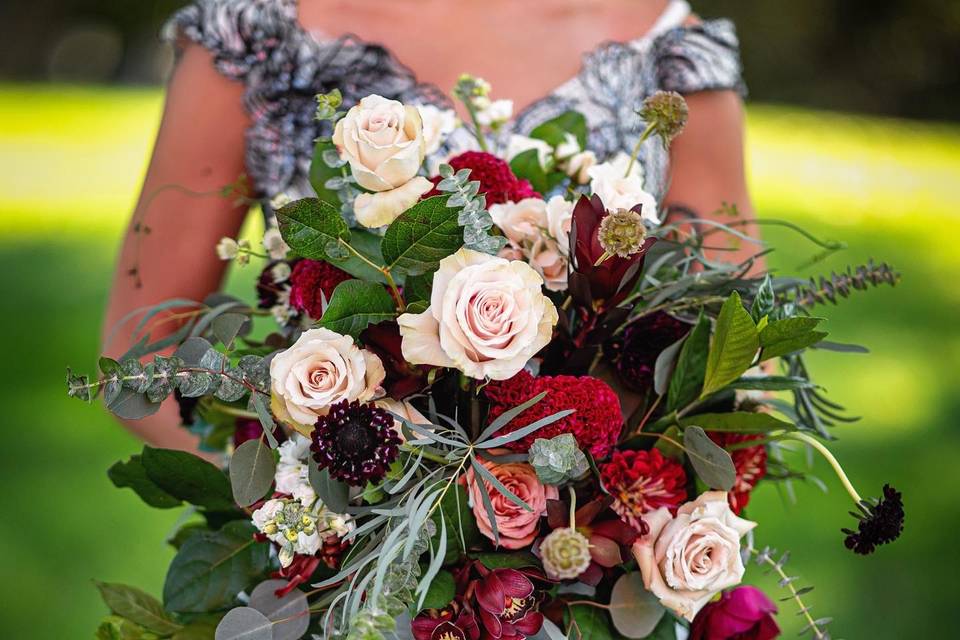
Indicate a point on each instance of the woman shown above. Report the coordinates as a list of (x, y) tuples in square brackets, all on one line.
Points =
[(241, 101)]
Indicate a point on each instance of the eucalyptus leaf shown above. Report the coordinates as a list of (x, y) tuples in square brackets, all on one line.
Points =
[(733, 348), (355, 305), (227, 327), (310, 225), (422, 236), (711, 462), (260, 405), (664, 367), (130, 405), (589, 623), (290, 614), (192, 351), (634, 610), (251, 471), (335, 495), (244, 623)]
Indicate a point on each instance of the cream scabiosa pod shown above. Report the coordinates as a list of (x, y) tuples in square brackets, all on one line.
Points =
[(487, 317), (384, 143), (688, 559), (319, 370)]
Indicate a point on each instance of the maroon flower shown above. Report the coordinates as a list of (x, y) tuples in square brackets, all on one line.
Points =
[(454, 622), (269, 289), (596, 422), (356, 442), (497, 181), (744, 613), (634, 352), (606, 284), (750, 463), (507, 605), (312, 282)]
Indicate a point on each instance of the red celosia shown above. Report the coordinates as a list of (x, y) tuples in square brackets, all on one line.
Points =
[(750, 463), (595, 423), (312, 282), (642, 481), (497, 181)]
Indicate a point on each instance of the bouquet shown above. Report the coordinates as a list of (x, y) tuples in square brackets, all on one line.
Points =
[(499, 395)]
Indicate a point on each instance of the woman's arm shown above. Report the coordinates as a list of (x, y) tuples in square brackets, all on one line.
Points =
[(200, 148), (707, 169)]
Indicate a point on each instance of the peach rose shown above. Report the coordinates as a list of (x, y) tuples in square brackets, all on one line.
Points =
[(532, 227), (487, 317), (320, 369), (523, 221), (517, 527), (686, 560)]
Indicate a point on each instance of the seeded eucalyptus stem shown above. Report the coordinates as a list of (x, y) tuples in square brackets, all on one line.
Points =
[(786, 581)]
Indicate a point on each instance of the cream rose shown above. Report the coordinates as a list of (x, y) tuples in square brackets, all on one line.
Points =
[(383, 142), (529, 226), (487, 317), (437, 125), (378, 209), (559, 220), (579, 164), (522, 221), (617, 190), (320, 369), (686, 560)]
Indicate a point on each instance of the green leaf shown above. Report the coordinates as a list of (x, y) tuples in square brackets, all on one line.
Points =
[(135, 605), (712, 463), (211, 569), (130, 405), (422, 236), (552, 131), (664, 366), (118, 628), (196, 630), (244, 623), (261, 406), (441, 591), (634, 610), (771, 383), (132, 474), (738, 422), (526, 166), (310, 226), (290, 614), (517, 560), (335, 495), (461, 525), (185, 476), (355, 305), (588, 623), (251, 471), (687, 378), (226, 327), (368, 245), (418, 287), (763, 300), (733, 348), (781, 337), (320, 172)]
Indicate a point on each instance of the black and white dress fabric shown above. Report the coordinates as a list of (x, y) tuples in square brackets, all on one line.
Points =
[(283, 67)]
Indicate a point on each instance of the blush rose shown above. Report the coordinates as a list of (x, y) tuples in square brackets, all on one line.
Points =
[(516, 526)]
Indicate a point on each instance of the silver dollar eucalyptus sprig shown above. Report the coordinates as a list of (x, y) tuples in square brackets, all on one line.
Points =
[(473, 217)]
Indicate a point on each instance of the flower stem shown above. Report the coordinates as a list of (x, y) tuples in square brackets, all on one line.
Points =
[(636, 148), (398, 298), (435, 457), (829, 457)]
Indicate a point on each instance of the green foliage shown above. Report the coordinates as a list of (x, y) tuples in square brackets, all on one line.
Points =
[(588, 623), (418, 288), (553, 131), (473, 215), (188, 477), (313, 228), (228, 326), (460, 523), (733, 348), (763, 300), (422, 236), (251, 471), (711, 462), (366, 244), (738, 422), (138, 607), (211, 568), (322, 171), (503, 560), (558, 459), (335, 495), (133, 475), (355, 305), (687, 378), (441, 591), (785, 336), (526, 165), (635, 611)]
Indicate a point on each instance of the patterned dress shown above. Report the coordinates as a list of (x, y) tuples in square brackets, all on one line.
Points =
[(283, 67)]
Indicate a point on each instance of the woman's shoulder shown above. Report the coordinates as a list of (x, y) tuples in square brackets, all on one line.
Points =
[(699, 55), (240, 34)]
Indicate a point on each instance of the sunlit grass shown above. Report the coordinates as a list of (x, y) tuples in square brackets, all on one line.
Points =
[(70, 164)]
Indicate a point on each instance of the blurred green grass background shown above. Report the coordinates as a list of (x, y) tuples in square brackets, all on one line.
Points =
[(70, 162)]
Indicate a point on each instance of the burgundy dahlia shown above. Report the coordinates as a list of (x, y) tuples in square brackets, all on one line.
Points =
[(355, 442), (497, 181), (608, 283), (643, 481), (749, 462), (634, 352), (595, 423), (507, 605), (312, 282), (744, 613)]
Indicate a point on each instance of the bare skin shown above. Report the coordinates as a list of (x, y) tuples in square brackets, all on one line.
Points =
[(200, 145)]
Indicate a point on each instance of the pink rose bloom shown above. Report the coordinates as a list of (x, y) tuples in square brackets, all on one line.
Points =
[(744, 613), (517, 526)]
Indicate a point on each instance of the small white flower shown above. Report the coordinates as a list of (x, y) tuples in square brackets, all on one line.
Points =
[(618, 190), (495, 113), (274, 243), (569, 147), (518, 144), (227, 248), (437, 125), (266, 514), (280, 272), (280, 200), (281, 313), (578, 166)]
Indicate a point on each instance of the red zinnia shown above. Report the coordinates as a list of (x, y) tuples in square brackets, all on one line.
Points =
[(312, 282), (643, 481), (497, 181), (750, 463), (596, 422)]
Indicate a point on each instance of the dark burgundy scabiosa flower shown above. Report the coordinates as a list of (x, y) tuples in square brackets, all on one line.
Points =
[(634, 353), (596, 422), (312, 282), (643, 481), (881, 522), (456, 621), (507, 605), (355, 442), (744, 613), (750, 463), (606, 284), (497, 181)]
